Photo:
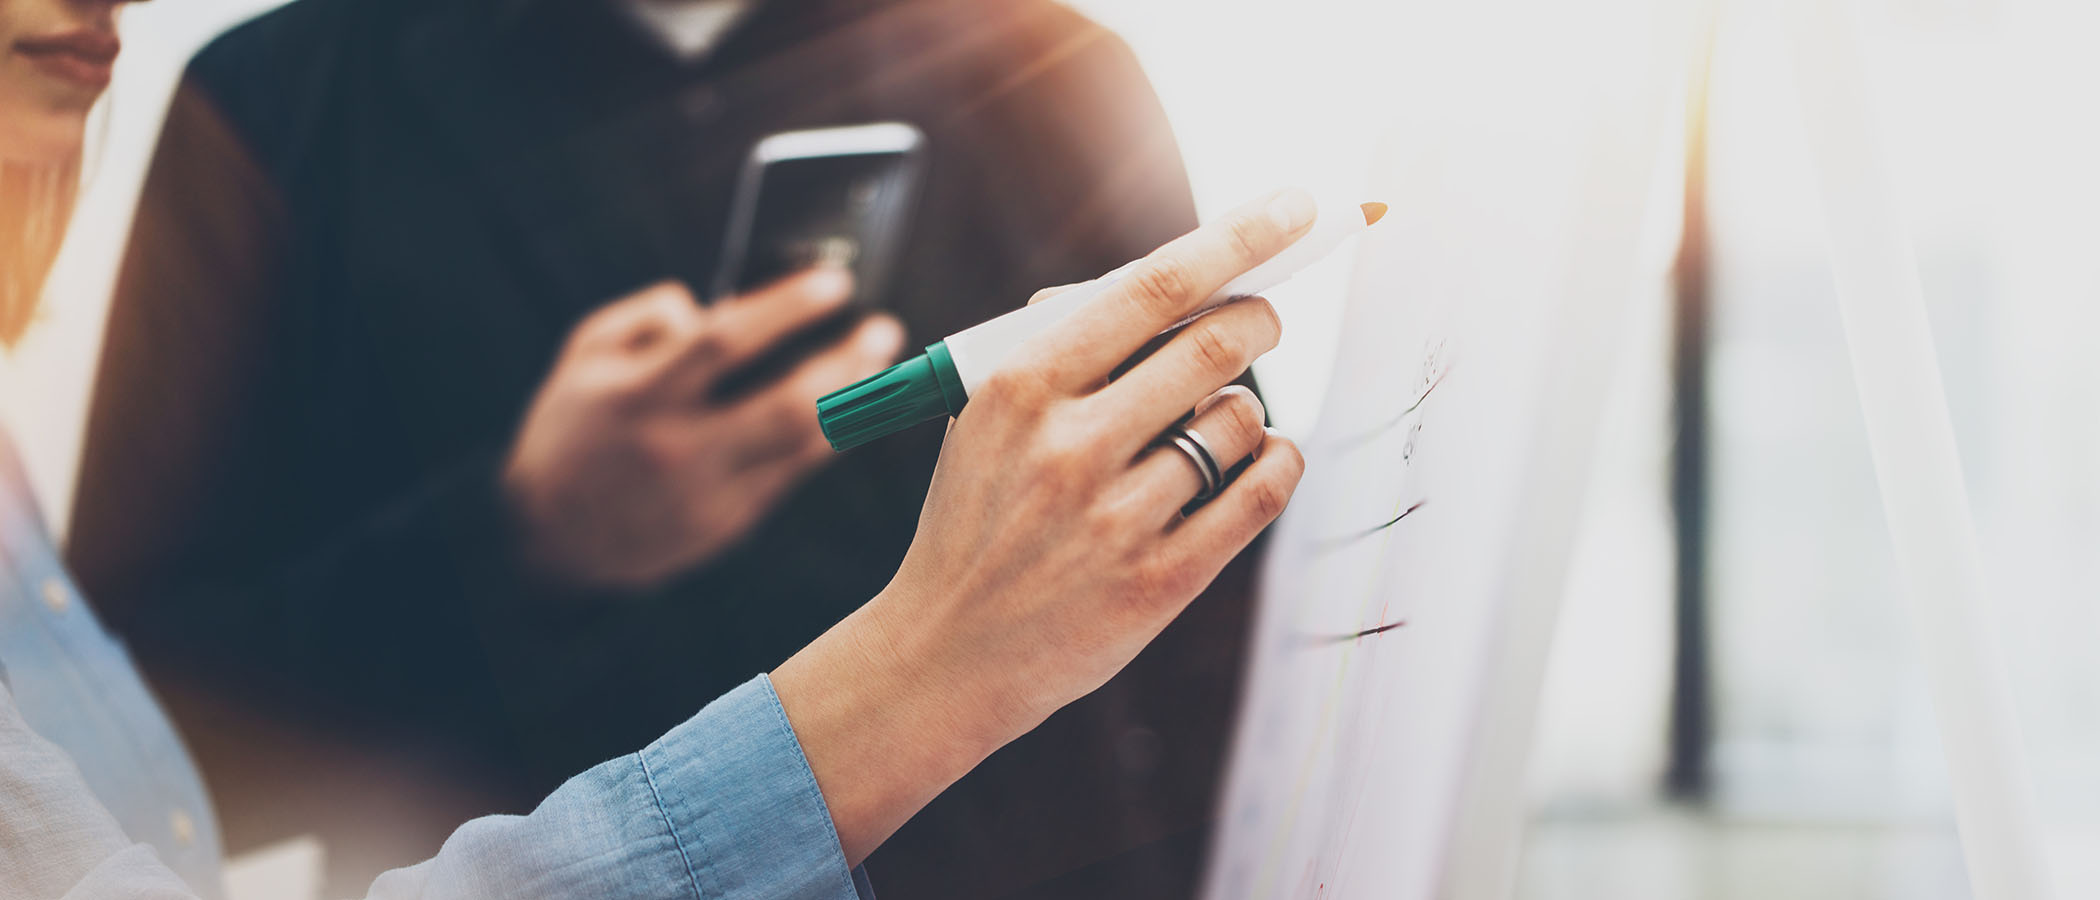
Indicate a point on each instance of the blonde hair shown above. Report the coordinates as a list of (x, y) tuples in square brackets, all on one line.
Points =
[(36, 203)]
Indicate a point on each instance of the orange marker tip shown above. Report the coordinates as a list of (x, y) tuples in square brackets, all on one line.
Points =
[(1373, 212)]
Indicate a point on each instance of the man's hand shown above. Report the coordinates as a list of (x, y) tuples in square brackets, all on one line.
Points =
[(628, 470)]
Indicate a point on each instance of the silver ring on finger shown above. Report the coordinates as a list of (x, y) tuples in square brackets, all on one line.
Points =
[(1192, 445)]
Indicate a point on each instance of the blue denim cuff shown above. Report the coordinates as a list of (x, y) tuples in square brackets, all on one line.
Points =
[(743, 806)]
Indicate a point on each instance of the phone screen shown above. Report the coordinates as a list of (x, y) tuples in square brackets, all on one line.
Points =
[(847, 209), (836, 196)]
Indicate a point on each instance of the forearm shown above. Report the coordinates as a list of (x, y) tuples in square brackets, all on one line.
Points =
[(885, 726), (722, 807)]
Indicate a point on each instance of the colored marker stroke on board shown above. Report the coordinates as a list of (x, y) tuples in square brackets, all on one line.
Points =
[(1323, 640), (1267, 873), (1336, 543), (1323, 729), (1368, 435)]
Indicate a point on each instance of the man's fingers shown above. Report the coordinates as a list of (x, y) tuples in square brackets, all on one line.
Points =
[(1166, 287), (662, 313), (740, 329), (871, 345), (780, 420), (1198, 360)]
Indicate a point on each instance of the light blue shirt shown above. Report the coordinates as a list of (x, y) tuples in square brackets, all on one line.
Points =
[(74, 683), (722, 807)]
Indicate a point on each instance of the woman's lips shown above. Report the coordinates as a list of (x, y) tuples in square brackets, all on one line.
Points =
[(84, 57)]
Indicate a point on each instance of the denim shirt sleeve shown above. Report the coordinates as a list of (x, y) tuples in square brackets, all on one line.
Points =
[(723, 807)]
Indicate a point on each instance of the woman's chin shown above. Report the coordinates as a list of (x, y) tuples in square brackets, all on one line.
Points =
[(40, 124), (43, 137)]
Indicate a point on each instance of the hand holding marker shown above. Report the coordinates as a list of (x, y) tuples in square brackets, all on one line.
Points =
[(939, 381), (1057, 539)]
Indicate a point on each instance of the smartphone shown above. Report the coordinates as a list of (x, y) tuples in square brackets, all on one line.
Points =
[(840, 196)]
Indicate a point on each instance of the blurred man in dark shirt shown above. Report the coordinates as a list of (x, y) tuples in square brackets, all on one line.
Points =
[(368, 229)]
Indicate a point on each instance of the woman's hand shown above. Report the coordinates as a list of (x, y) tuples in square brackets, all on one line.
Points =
[(1052, 547)]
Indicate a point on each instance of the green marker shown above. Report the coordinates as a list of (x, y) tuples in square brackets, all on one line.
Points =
[(938, 382)]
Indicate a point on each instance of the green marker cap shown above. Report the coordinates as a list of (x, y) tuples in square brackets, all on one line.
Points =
[(916, 390)]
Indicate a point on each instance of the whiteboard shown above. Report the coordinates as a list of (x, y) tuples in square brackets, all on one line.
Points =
[(1408, 599)]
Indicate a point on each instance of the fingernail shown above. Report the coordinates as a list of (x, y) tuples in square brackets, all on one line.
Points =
[(1292, 209), (1260, 409), (885, 337), (1267, 431), (829, 281)]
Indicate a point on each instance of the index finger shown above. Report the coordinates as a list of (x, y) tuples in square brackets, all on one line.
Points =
[(1168, 286)]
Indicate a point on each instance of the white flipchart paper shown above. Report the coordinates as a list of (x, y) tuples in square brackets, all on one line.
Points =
[(1409, 595)]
